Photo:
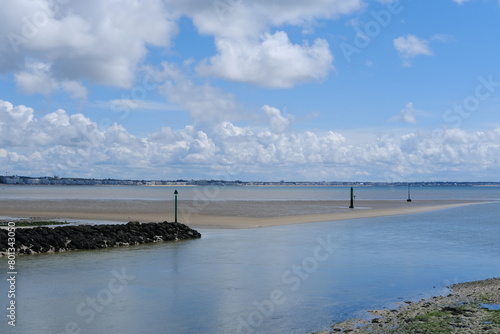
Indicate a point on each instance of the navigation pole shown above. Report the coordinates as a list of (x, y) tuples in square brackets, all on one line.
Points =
[(175, 193)]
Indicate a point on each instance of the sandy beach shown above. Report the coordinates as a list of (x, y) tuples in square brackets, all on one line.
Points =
[(218, 214)]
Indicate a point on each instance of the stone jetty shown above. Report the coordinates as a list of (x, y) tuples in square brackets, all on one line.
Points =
[(66, 238)]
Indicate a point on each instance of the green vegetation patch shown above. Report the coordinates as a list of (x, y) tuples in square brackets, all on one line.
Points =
[(33, 223), (462, 312), (494, 316)]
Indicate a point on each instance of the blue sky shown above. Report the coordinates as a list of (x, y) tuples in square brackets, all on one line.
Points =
[(263, 90)]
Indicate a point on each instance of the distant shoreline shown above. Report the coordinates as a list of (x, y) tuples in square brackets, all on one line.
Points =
[(220, 214), (59, 181)]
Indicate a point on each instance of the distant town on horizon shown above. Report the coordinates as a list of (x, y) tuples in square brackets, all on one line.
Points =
[(56, 180)]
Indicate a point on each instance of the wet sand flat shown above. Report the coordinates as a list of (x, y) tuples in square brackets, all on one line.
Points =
[(219, 214)]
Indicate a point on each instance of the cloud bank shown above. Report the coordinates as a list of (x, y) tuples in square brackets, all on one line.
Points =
[(54, 45), (62, 43), (73, 145)]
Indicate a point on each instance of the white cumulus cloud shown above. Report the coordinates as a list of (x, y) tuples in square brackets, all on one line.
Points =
[(273, 61), (250, 46), (411, 46), (73, 145), (37, 78), (54, 45), (205, 103), (408, 114), (51, 44), (277, 122)]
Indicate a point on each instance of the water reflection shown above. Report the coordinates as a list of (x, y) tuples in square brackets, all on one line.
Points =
[(222, 282)]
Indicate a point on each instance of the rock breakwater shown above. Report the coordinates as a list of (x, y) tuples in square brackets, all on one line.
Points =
[(67, 238)]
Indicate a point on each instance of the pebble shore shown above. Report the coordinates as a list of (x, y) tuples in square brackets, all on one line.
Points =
[(472, 307)]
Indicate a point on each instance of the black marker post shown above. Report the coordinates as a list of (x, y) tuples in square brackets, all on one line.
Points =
[(175, 193)]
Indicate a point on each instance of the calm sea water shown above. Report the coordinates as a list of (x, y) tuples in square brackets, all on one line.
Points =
[(248, 193), (287, 279)]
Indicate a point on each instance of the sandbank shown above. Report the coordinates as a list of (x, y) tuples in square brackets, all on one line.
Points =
[(219, 214)]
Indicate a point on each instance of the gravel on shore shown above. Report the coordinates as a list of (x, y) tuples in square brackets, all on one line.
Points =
[(472, 307)]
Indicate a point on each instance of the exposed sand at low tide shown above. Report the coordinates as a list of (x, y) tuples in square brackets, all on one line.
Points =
[(219, 214)]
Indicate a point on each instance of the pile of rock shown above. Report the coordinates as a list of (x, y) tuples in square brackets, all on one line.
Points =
[(66, 238)]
